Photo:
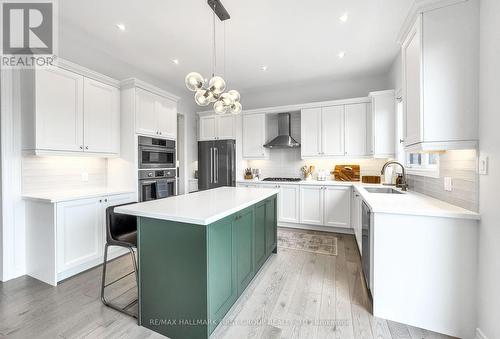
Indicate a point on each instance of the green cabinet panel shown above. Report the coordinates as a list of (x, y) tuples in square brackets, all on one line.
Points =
[(221, 268), (191, 275), (271, 226), (260, 235), (244, 234)]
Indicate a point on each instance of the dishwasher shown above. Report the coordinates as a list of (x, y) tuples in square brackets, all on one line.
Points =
[(366, 226)]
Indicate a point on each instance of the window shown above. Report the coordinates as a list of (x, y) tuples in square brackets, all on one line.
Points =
[(425, 164)]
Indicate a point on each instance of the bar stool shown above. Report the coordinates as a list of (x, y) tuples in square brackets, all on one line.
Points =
[(121, 230)]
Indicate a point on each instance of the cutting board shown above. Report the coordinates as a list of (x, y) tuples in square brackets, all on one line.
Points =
[(346, 172)]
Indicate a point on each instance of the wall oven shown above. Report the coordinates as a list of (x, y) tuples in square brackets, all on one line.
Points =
[(156, 153), (157, 184)]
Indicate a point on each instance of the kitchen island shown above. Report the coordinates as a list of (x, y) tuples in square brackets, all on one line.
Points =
[(197, 254)]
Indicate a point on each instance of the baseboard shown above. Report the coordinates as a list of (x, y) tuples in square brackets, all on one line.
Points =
[(317, 228), (480, 334)]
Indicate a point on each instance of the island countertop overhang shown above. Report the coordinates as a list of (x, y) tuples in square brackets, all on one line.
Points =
[(200, 208)]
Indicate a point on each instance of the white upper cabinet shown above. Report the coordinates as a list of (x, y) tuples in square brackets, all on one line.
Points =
[(101, 116), (254, 136), (383, 124), (332, 131), (216, 127), (310, 132), (355, 129), (155, 115), (58, 110), (440, 84), (64, 112), (167, 118)]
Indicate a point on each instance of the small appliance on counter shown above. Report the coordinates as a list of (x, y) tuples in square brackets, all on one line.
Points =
[(346, 172), (322, 175)]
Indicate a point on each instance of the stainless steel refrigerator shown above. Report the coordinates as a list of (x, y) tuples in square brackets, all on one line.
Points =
[(216, 164)]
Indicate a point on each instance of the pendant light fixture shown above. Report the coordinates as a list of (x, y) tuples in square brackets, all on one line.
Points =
[(214, 91)]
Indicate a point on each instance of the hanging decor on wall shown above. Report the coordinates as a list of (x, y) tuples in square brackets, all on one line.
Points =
[(213, 91)]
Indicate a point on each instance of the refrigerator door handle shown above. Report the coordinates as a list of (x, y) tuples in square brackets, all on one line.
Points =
[(216, 156), (211, 165)]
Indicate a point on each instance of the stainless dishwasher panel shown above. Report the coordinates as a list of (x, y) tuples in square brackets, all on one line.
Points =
[(366, 243)]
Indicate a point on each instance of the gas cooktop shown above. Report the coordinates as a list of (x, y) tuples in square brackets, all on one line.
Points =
[(281, 179)]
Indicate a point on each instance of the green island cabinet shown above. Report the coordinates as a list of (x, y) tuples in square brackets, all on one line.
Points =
[(190, 275)]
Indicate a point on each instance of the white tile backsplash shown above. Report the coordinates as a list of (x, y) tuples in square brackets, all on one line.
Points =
[(60, 173)]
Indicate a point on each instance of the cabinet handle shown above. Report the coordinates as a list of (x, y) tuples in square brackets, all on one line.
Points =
[(86, 147), (105, 200), (81, 147), (100, 200), (159, 133)]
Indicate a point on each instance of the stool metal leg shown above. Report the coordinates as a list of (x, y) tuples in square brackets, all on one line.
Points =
[(104, 285)]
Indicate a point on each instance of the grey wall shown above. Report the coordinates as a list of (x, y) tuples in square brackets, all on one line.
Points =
[(459, 165), (310, 92), (489, 122)]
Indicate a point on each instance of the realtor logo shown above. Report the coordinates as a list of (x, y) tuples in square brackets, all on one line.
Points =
[(28, 33)]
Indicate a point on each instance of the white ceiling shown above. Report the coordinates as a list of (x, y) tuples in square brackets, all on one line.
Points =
[(297, 40)]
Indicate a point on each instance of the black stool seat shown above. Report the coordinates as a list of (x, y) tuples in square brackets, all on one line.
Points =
[(121, 230)]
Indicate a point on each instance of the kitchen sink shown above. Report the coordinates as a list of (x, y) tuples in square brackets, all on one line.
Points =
[(386, 190)]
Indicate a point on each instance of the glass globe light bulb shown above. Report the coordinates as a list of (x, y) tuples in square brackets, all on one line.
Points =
[(217, 84), (201, 99), (194, 81), (219, 107), (235, 95), (227, 99), (236, 108)]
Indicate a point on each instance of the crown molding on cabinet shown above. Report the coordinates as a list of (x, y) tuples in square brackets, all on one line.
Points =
[(75, 68), (133, 82), (298, 107), (421, 6)]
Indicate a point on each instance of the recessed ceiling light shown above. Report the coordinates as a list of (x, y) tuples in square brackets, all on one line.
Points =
[(263, 68), (341, 54), (121, 27), (344, 17), (175, 61)]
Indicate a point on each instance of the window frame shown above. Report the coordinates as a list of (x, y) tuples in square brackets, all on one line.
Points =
[(425, 169)]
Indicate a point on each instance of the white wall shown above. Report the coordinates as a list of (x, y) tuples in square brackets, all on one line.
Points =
[(311, 92), (489, 122), (395, 79)]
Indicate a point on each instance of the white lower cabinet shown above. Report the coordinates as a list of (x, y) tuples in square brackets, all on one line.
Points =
[(325, 205), (288, 203), (337, 204), (311, 205), (66, 238)]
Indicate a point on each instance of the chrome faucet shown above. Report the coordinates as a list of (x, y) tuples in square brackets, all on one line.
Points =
[(404, 184)]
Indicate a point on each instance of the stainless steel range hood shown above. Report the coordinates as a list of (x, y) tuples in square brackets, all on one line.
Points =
[(284, 139)]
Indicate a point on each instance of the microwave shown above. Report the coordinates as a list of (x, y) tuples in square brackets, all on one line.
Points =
[(156, 153)]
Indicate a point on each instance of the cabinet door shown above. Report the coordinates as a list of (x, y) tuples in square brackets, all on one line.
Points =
[(101, 114), (332, 131), (225, 127), (79, 232), (221, 267), (310, 129), (207, 128), (271, 226), (244, 233), (384, 124), (311, 205), (337, 206), (355, 129), (254, 136), (288, 203), (146, 117), (167, 117), (260, 235), (412, 85), (59, 110)]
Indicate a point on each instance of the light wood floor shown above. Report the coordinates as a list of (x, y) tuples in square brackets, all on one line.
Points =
[(296, 294)]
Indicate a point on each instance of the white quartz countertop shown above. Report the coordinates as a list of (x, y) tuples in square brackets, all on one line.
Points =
[(60, 196), (201, 208), (409, 203)]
